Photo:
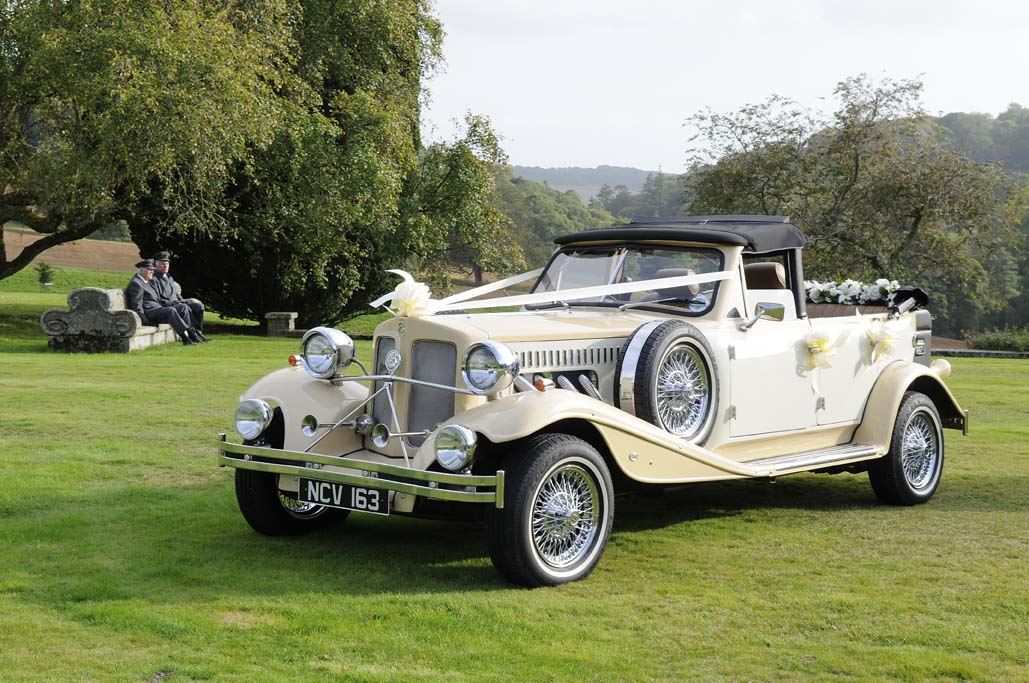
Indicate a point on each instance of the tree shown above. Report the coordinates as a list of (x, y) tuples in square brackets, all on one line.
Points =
[(105, 105), (874, 187), (329, 204), (539, 213), (272, 146), (456, 212)]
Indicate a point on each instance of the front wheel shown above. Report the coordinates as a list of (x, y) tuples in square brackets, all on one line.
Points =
[(278, 513), (557, 514), (910, 473)]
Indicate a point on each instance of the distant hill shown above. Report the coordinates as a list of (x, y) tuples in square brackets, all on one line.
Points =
[(586, 181)]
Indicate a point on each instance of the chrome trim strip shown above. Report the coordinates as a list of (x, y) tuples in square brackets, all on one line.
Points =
[(369, 473), (626, 398)]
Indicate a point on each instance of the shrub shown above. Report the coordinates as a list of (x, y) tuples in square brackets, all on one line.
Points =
[(45, 273), (1007, 339)]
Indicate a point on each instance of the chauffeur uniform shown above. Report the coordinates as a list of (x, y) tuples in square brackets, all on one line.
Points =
[(164, 285), (144, 300)]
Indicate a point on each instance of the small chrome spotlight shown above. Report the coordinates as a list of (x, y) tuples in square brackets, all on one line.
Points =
[(309, 425), (380, 435)]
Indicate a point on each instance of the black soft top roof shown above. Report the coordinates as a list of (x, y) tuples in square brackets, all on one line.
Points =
[(756, 234)]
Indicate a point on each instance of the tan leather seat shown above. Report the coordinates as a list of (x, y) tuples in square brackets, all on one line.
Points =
[(684, 293), (765, 275)]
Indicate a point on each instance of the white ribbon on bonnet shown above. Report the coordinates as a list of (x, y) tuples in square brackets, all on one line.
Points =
[(414, 299)]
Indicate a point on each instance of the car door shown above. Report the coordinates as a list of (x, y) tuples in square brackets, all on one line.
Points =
[(770, 387)]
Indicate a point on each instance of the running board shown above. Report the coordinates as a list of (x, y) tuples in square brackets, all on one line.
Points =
[(809, 460)]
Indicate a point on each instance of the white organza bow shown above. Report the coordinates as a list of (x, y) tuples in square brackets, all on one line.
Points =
[(412, 299), (819, 349)]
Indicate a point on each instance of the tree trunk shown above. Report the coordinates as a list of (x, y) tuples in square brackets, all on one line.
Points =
[(477, 273)]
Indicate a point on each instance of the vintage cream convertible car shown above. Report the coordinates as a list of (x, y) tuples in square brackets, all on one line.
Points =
[(659, 353)]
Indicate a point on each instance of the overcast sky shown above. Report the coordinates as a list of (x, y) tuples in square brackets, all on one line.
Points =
[(589, 82)]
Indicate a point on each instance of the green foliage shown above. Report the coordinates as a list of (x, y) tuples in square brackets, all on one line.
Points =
[(661, 195), (113, 104), (45, 273), (455, 220), (117, 231), (1006, 339), (874, 187), (540, 213), (272, 146), (344, 191), (1003, 139)]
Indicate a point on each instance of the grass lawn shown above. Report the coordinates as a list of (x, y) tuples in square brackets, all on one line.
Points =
[(123, 555)]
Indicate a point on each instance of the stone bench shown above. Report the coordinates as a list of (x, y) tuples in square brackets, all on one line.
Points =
[(97, 320)]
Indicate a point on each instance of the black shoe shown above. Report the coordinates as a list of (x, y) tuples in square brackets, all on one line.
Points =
[(199, 336), (186, 341), (195, 336)]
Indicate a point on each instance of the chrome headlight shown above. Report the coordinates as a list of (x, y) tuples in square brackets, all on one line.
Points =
[(326, 351), (455, 447), (489, 367), (253, 417)]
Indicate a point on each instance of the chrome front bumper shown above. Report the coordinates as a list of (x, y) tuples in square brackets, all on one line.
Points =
[(462, 488)]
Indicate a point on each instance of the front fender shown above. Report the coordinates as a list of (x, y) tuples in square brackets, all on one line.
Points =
[(884, 400), (298, 394), (641, 451)]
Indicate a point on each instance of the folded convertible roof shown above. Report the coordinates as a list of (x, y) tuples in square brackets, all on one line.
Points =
[(756, 234)]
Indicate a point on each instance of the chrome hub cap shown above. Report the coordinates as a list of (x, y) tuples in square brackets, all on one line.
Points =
[(299, 509), (683, 391), (920, 450), (565, 516)]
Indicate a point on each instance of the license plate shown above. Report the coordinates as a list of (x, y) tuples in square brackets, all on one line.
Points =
[(331, 494)]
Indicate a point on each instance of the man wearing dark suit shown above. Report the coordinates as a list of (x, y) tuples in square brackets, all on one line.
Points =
[(141, 297), (164, 285)]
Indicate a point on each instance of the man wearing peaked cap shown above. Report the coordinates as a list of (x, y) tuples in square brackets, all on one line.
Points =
[(141, 297), (170, 295)]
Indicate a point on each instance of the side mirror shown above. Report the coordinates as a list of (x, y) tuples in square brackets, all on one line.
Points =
[(764, 311)]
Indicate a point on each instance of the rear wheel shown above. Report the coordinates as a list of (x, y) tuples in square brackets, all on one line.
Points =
[(910, 473), (557, 514)]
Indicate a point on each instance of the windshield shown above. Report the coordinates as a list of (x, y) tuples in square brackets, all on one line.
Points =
[(595, 266)]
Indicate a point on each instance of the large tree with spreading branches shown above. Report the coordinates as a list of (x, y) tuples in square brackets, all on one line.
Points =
[(874, 187), (272, 145)]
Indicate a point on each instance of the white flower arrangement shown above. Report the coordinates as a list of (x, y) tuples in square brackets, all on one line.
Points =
[(851, 292)]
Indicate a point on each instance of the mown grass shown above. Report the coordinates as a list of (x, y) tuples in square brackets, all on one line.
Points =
[(124, 556)]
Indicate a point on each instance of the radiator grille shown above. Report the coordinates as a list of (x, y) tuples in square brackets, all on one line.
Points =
[(435, 362)]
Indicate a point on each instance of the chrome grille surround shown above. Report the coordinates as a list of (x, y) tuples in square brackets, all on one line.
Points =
[(380, 406)]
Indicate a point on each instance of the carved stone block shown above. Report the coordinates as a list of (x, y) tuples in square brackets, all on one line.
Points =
[(97, 320)]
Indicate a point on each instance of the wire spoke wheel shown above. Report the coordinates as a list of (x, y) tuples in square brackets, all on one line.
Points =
[(565, 516), (667, 376), (299, 509), (920, 450), (683, 391), (910, 471)]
